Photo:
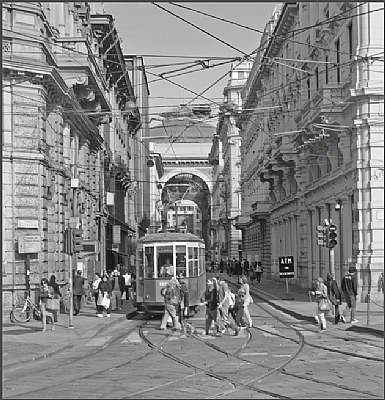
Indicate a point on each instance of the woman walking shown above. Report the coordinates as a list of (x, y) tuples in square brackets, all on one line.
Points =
[(46, 292), (334, 295), (321, 293), (248, 299), (56, 289), (95, 289), (104, 297)]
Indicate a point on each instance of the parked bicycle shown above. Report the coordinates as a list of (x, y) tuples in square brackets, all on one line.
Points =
[(24, 309)]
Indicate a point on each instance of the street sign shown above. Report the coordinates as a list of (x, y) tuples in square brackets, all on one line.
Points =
[(286, 267), (29, 244)]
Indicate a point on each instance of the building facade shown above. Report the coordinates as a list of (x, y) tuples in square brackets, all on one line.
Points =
[(68, 117), (311, 147), (225, 156)]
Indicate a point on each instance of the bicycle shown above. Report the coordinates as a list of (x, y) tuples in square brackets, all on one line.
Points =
[(24, 310)]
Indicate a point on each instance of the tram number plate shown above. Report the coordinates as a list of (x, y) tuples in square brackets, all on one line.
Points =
[(286, 267)]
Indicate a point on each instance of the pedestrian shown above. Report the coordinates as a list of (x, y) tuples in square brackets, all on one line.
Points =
[(237, 311), (46, 292), (56, 288), (225, 301), (183, 308), (210, 299), (246, 267), (78, 291), (334, 295), (349, 288), (104, 296), (127, 284), (258, 271), (238, 270), (95, 289), (171, 294), (118, 284), (321, 294), (247, 300), (221, 266)]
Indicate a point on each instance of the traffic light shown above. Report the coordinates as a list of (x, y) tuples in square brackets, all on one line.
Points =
[(78, 239), (332, 236), (321, 235)]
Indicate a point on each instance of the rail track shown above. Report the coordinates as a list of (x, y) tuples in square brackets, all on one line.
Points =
[(227, 366)]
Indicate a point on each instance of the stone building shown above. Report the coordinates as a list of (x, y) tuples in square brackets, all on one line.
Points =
[(312, 149), (68, 114), (225, 157)]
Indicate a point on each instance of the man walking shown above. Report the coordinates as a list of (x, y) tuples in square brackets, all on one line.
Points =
[(349, 287), (78, 291), (117, 290), (210, 300)]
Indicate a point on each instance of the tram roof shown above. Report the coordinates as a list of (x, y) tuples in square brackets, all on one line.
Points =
[(170, 237)]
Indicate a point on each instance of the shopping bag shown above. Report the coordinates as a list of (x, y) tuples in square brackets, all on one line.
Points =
[(105, 301), (53, 304), (324, 305)]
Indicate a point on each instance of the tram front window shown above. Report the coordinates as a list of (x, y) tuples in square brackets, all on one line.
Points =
[(181, 261), (149, 262), (165, 261)]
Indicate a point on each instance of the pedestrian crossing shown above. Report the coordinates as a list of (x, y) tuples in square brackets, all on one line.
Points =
[(267, 331)]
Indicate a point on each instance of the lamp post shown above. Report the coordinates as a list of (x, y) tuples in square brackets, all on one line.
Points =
[(226, 219)]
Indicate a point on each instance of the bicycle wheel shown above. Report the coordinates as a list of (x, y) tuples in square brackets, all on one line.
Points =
[(21, 312)]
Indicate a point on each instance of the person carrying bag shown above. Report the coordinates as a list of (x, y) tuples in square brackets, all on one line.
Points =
[(323, 303), (104, 297)]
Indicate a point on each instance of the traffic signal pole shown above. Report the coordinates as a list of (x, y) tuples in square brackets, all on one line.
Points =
[(331, 262)]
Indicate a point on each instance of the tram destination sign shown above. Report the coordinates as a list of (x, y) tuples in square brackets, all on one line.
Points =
[(286, 267)]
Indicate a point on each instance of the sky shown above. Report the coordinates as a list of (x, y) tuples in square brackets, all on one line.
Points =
[(148, 30)]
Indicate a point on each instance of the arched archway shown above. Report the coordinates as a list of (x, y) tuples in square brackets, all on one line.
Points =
[(188, 187)]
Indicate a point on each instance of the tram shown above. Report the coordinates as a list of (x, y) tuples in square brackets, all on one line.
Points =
[(161, 256)]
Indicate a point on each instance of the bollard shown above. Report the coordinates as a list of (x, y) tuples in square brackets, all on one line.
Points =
[(368, 310)]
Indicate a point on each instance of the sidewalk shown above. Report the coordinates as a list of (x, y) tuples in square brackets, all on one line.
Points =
[(299, 306), (26, 342)]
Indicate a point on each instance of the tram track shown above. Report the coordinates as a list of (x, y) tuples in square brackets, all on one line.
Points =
[(209, 371)]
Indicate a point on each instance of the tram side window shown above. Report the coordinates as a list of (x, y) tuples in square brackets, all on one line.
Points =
[(201, 260), (140, 270), (165, 261), (193, 261), (181, 261), (196, 270), (149, 262)]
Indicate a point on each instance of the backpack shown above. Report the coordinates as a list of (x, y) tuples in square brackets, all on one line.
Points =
[(172, 295)]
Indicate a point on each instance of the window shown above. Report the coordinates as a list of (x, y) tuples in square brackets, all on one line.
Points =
[(316, 79), (338, 57), (350, 39), (149, 262), (165, 260), (193, 261), (181, 261)]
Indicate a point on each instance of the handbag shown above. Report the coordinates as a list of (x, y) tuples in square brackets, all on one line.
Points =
[(53, 304), (324, 305)]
